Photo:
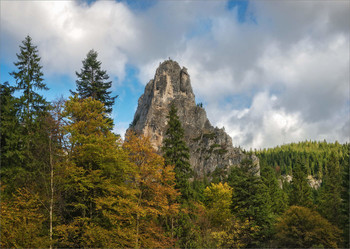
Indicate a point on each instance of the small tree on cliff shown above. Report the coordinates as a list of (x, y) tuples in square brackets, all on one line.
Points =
[(176, 153)]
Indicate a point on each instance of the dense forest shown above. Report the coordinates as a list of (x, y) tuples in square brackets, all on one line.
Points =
[(67, 181)]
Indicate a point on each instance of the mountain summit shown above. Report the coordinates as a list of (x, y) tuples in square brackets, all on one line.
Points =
[(210, 148)]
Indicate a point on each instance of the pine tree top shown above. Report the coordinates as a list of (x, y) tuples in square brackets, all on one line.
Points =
[(93, 81), (29, 71)]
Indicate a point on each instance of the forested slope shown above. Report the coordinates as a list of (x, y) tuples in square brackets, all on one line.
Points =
[(67, 181)]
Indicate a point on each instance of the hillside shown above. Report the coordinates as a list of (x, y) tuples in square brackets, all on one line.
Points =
[(314, 155)]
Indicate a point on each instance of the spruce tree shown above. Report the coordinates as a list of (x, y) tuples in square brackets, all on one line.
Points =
[(276, 196), (32, 138), (29, 79), (330, 195), (93, 82), (250, 201), (345, 195), (176, 153), (300, 194), (10, 147)]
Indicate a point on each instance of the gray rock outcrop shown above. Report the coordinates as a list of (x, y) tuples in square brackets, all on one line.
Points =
[(211, 148)]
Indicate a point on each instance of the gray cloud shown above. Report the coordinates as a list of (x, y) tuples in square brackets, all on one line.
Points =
[(290, 67)]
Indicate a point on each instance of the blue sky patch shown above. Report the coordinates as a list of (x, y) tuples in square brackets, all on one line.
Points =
[(202, 27)]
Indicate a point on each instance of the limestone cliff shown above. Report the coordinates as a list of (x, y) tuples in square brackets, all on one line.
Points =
[(210, 148)]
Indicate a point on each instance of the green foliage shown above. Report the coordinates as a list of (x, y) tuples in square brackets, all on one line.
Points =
[(209, 135), (313, 155), (223, 230), (176, 153), (300, 190), (277, 198), (250, 200), (29, 77), (218, 199), (330, 194), (10, 149), (23, 121), (109, 194), (186, 229), (300, 227), (345, 196), (93, 82), (96, 179)]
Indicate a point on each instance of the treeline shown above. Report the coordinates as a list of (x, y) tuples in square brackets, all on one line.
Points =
[(314, 155), (67, 181), (326, 162)]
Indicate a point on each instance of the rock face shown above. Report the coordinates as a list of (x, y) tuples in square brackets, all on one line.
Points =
[(211, 149)]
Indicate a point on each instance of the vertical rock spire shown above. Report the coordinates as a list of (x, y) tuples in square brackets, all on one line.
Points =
[(210, 148)]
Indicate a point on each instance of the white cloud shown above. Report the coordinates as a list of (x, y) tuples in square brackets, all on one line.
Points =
[(289, 69), (65, 31)]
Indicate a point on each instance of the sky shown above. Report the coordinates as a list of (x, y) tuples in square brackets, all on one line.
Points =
[(269, 72)]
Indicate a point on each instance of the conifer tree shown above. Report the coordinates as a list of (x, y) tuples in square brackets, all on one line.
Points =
[(345, 195), (330, 193), (276, 196), (10, 149), (31, 139), (300, 194), (176, 153), (93, 82), (250, 200), (29, 79)]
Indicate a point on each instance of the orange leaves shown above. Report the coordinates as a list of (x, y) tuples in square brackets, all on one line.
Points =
[(156, 184), (155, 180)]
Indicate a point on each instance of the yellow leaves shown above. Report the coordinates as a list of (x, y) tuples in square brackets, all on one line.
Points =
[(21, 221), (157, 195), (236, 235), (155, 180), (218, 199)]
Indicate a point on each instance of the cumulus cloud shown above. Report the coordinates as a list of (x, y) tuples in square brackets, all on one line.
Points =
[(66, 30), (280, 76)]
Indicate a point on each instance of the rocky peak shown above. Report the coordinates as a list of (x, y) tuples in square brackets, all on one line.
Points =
[(171, 82), (211, 148)]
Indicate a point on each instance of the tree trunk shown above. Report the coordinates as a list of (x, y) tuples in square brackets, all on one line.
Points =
[(52, 190), (137, 230), (172, 228)]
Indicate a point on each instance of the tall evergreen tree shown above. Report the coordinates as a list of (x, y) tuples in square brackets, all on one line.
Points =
[(93, 82), (31, 137), (250, 200), (330, 195), (29, 79), (345, 195), (276, 196), (300, 194), (176, 153), (10, 143)]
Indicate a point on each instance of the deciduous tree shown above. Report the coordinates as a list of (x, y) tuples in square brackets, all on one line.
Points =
[(156, 197), (300, 227)]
